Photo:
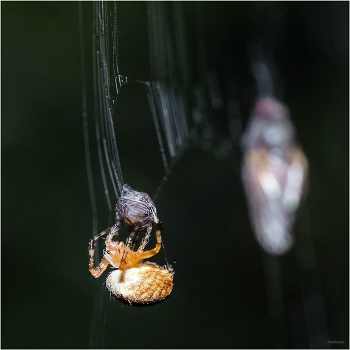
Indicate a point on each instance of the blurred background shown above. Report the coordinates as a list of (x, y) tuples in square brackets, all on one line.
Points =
[(226, 292)]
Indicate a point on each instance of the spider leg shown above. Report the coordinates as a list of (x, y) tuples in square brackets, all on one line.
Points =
[(147, 254), (135, 239), (111, 230), (96, 272), (145, 239), (127, 249)]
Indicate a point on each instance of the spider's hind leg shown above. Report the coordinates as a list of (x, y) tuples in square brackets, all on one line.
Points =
[(149, 253), (145, 239), (130, 243)]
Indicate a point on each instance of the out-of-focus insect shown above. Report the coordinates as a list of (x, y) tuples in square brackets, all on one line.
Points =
[(135, 281), (274, 174)]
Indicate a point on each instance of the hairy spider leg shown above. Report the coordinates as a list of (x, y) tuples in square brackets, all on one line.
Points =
[(145, 239), (135, 239), (129, 259), (131, 244), (127, 250), (112, 231), (149, 253), (135, 257), (97, 272)]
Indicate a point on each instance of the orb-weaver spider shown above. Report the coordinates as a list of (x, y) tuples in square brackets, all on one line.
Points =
[(134, 281)]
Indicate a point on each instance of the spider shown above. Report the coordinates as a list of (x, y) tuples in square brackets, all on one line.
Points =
[(134, 281)]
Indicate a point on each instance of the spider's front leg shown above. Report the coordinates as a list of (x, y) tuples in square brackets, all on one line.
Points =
[(97, 272)]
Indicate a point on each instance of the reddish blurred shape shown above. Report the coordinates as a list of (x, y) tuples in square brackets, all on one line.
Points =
[(274, 174)]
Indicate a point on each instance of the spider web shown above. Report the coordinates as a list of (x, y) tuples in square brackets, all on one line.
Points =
[(191, 105)]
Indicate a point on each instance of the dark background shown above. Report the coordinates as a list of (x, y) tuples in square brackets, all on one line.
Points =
[(219, 299)]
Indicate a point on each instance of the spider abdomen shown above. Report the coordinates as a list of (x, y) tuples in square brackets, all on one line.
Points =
[(146, 283), (135, 214)]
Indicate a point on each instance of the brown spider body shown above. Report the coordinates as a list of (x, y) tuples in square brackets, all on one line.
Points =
[(134, 281)]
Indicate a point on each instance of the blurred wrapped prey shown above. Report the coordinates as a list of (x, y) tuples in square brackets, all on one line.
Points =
[(274, 174)]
